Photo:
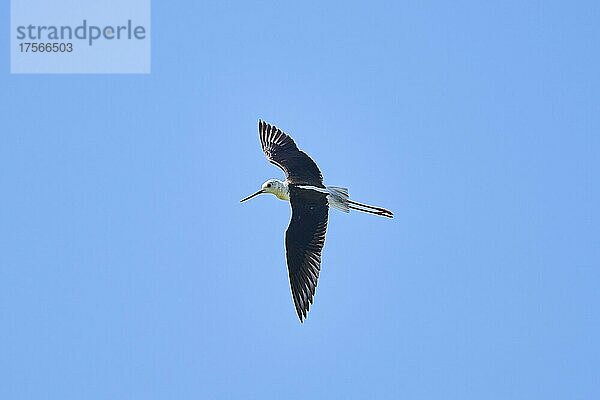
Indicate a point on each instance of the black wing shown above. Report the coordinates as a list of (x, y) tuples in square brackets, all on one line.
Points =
[(304, 242), (281, 150)]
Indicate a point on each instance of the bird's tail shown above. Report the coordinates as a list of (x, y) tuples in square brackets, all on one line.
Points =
[(338, 198)]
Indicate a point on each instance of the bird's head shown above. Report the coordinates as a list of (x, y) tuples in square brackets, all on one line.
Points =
[(273, 186)]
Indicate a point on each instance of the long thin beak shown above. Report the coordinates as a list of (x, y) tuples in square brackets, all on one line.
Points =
[(252, 195)]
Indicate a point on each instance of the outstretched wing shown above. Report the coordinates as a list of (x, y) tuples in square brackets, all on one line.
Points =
[(281, 150), (304, 240)]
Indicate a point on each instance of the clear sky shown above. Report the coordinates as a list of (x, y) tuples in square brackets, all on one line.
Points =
[(129, 270)]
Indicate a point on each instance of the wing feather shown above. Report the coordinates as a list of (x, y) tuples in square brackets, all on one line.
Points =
[(304, 241), (281, 150)]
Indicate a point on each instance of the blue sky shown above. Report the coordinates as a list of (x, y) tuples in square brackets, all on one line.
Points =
[(129, 269)]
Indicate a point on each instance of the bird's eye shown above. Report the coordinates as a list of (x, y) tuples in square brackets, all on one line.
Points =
[(268, 185)]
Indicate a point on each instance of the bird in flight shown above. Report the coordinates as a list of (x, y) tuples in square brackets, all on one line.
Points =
[(310, 200)]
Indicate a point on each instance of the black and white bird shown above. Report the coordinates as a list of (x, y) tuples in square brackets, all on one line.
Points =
[(310, 200)]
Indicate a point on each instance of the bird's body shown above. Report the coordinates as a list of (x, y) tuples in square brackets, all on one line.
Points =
[(337, 197), (310, 200)]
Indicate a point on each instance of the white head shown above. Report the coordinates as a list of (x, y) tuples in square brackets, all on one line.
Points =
[(273, 186)]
